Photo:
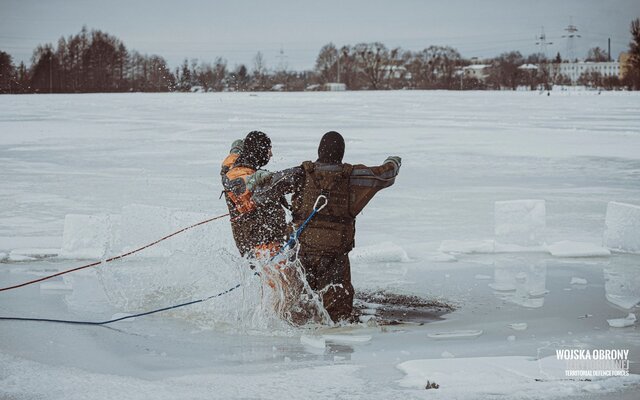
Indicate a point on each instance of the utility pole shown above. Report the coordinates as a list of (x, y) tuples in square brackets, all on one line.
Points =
[(542, 42), (572, 34), (609, 49), (338, 81), (281, 57)]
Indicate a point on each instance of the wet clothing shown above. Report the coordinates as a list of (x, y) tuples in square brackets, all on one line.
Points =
[(329, 274), (333, 228), (255, 222), (329, 237)]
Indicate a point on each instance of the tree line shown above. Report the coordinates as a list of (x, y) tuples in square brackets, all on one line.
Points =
[(98, 62), (86, 62)]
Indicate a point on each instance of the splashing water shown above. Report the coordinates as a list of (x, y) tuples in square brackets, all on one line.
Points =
[(274, 297)]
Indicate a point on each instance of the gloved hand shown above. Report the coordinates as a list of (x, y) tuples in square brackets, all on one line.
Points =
[(258, 179), (237, 146), (394, 159)]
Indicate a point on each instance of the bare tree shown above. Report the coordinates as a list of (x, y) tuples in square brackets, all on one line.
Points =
[(372, 60), (541, 77), (591, 79), (596, 54), (205, 76), (259, 72), (220, 74), (435, 67), (45, 68), (160, 78), (349, 68), (504, 71), (327, 63), (240, 78), (396, 74)]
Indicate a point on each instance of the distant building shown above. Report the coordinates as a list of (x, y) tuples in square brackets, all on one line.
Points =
[(313, 88), (335, 87), (396, 72), (573, 70), (528, 67), (477, 71)]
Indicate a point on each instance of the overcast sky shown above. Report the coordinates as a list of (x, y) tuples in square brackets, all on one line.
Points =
[(291, 32)]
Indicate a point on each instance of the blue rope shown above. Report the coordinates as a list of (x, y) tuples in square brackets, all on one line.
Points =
[(292, 240), (294, 236), (64, 321)]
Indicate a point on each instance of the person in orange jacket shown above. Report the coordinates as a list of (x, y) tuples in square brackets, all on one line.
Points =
[(257, 219)]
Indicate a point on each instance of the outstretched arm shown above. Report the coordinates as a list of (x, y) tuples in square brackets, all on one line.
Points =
[(365, 181), (275, 185)]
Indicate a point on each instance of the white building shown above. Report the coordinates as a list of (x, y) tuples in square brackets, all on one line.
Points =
[(396, 72), (528, 67), (335, 87), (573, 70), (478, 71)]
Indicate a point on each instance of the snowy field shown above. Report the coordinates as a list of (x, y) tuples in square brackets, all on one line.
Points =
[(89, 176)]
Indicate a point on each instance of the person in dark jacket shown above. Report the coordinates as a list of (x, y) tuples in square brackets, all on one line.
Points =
[(329, 237)]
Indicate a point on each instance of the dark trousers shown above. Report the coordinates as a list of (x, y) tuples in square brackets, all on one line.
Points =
[(329, 275)]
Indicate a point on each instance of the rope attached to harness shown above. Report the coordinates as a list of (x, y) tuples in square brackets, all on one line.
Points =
[(112, 258), (316, 208)]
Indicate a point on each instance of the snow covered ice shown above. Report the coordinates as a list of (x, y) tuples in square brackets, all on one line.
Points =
[(567, 248), (520, 222), (629, 320), (95, 175), (84, 236), (622, 224)]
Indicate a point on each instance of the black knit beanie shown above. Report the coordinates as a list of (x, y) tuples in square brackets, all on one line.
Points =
[(255, 151), (331, 148)]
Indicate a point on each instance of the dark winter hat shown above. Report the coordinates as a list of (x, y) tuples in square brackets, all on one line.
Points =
[(331, 149), (255, 152)]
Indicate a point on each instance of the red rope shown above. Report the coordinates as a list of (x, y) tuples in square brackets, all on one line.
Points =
[(112, 258)]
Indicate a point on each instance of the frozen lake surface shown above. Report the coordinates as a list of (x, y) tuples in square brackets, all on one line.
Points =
[(150, 162)]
